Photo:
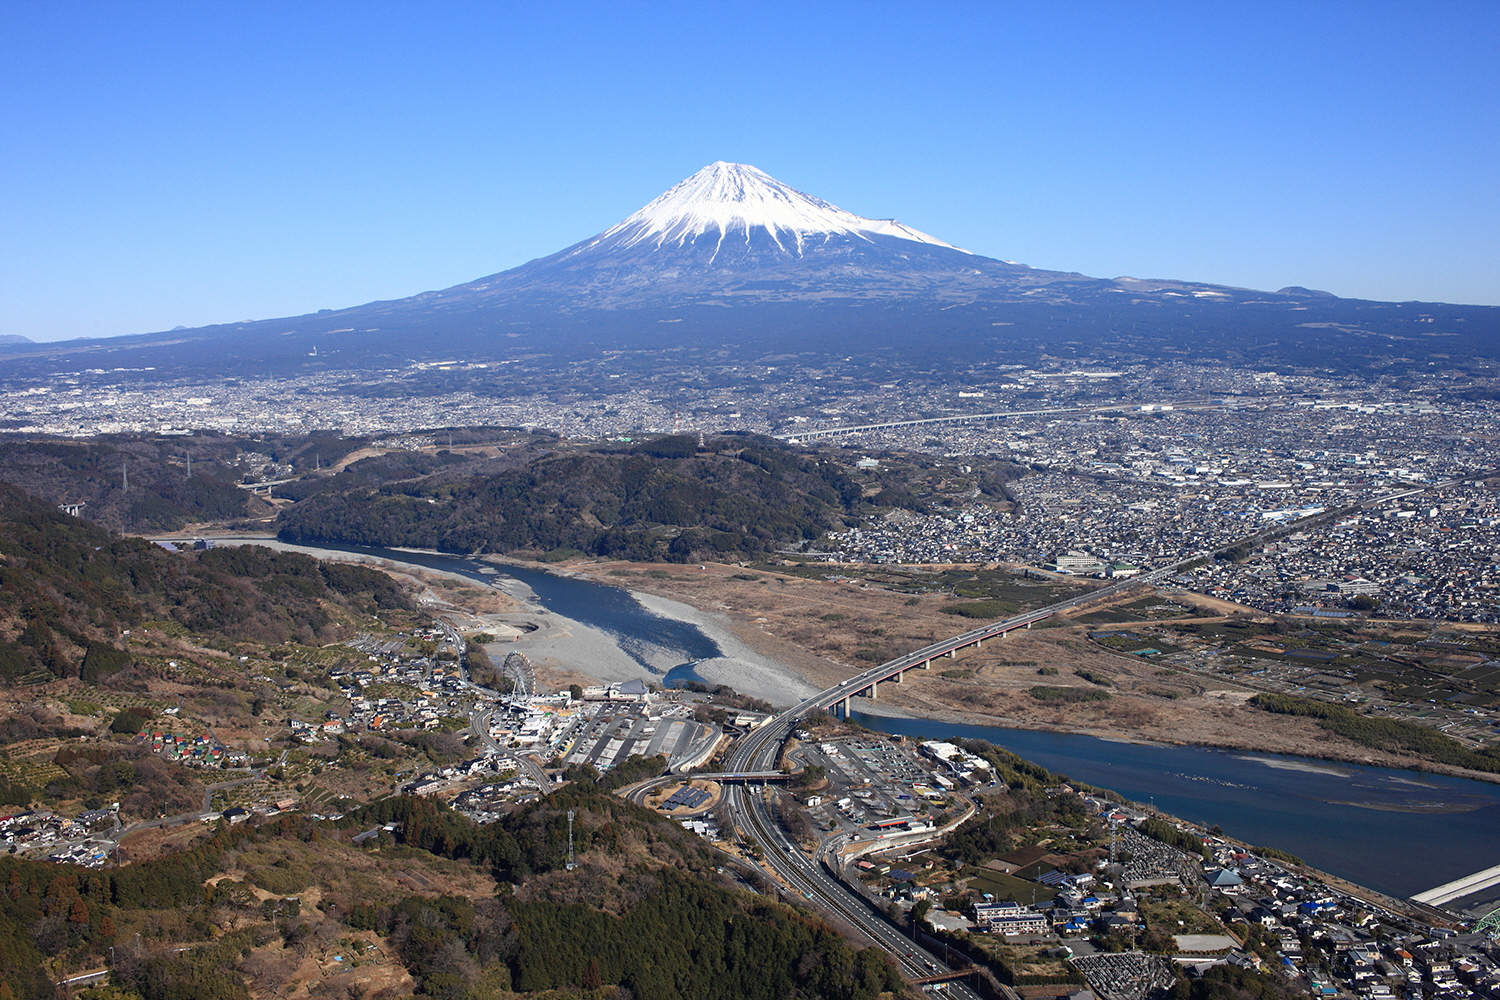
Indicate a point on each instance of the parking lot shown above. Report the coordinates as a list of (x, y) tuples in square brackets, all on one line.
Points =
[(872, 784)]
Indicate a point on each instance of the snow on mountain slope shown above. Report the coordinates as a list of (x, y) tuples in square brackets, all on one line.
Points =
[(729, 201)]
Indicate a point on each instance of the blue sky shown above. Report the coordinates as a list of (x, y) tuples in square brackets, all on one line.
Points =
[(167, 164)]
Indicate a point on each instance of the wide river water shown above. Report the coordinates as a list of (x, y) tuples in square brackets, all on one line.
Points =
[(611, 610), (1400, 832)]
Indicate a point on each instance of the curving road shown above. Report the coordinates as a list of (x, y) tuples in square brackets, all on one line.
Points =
[(811, 878), (479, 725), (758, 750)]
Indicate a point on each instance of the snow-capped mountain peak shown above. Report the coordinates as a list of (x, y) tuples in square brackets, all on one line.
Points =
[(727, 201)]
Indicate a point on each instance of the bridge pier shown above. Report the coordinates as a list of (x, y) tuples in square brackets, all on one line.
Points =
[(901, 677), (926, 664), (870, 692), (845, 703)]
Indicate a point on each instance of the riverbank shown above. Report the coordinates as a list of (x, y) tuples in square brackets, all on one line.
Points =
[(562, 649), (741, 666), (817, 630), (781, 638)]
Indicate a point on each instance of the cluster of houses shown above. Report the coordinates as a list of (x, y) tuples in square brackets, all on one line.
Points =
[(1357, 947), (438, 684), (438, 779), (42, 829), (489, 802), (1334, 943), (235, 815), (198, 751)]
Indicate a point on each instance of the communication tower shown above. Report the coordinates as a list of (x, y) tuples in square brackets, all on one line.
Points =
[(571, 863)]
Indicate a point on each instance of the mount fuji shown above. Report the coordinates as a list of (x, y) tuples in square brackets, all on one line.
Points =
[(732, 235), (733, 259)]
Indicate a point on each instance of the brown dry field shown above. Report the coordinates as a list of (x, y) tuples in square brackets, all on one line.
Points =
[(782, 617)]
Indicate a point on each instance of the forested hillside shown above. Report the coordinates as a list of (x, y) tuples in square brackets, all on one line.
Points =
[(132, 484), (644, 915), (667, 500), (160, 483), (68, 588)]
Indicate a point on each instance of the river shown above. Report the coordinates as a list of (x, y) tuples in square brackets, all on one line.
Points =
[(638, 631), (1397, 831), (1400, 832)]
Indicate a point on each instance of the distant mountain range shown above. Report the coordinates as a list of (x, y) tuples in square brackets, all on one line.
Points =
[(732, 258)]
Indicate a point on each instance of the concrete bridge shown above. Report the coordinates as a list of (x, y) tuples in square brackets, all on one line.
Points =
[(265, 487), (867, 683)]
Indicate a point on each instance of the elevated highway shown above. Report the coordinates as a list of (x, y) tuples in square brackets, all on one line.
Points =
[(866, 683), (759, 749)]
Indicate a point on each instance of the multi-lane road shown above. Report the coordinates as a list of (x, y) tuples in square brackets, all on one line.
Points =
[(759, 750), (813, 878), (817, 883)]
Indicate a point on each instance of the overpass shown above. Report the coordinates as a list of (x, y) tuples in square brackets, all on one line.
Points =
[(757, 750), (265, 487)]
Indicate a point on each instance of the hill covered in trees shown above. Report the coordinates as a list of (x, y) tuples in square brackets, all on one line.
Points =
[(68, 589), (142, 483), (666, 500), (644, 915), (161, 483)]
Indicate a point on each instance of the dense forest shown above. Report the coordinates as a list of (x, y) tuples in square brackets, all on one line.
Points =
[(142, 483), (68, 589), (666, 500), (1384, 734)]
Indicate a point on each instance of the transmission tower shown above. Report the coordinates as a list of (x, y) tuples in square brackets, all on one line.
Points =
[(571, 863)]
